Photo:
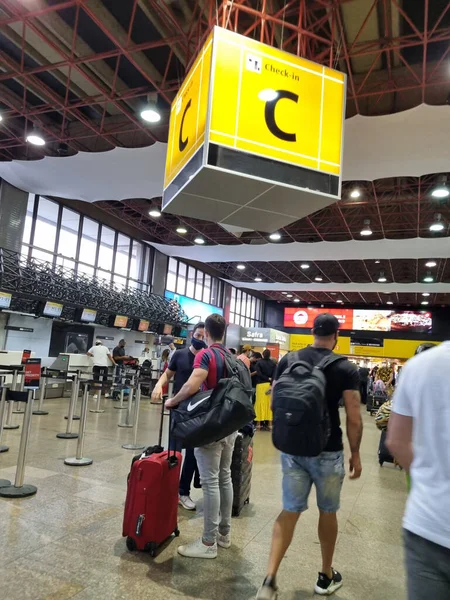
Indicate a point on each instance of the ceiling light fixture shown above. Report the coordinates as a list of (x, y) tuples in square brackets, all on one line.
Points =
[(355, 193), (438, 225), (377, 262), (1, 118), (268, 95), (304, 266), (366, 230), (296, 299), (275, 236), (35, 137), (150, 112), (284, 293), (426, 294), (428, 278), (240, 267), (389, 302), (382, 277), (155, 213), (199, 240), (181, 230), (340, 301), (424, 303), (288, 295), (430, 264), (258, 279), (440, 192), (318, 279)]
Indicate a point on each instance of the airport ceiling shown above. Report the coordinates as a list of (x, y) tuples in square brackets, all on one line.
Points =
[(81, 70)]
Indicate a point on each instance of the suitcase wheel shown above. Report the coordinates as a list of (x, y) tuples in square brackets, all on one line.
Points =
[(151, 548), (381, 462), (131, 544), (176, 533), (247, 501)]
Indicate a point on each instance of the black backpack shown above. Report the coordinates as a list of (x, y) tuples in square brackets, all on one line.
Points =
[(301, 424), (210, 416)]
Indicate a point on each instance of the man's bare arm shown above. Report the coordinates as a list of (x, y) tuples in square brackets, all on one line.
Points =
[(191, 386), (162, 382), (352, 403), (399, 439)]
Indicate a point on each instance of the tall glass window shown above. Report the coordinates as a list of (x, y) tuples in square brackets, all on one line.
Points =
[(172, 275), (245, 309), (45, 227), (193, 283), (122, 255), (106, 250), (88, 246), (68, 236)]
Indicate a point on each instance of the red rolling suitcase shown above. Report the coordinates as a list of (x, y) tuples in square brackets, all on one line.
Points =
[(151, 507)]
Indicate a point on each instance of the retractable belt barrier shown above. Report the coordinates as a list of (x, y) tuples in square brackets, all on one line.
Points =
[(137, 403), (79, 460), (19, 489)]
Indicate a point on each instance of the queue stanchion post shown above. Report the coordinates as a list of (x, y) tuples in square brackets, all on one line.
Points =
[(121, 406), (2, 422), (42, 383), (97, 405), (79, 460), (128, 422), (75, 416), (20, 489), (68, 434), (21, 385), (137, 403), (9, 415)]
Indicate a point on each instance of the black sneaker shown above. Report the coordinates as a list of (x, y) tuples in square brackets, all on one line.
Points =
[(268, 590), (326, 586)]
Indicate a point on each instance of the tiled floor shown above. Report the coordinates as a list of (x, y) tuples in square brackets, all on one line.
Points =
[(66, 542)]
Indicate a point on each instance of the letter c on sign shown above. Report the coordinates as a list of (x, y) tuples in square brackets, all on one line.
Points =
[(269, 115), (183, 143)]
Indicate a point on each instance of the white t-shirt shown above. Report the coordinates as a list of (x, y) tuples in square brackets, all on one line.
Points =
[(423, 393), (100, 356)]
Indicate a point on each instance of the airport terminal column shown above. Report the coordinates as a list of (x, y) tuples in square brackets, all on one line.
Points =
[(137, 402), (128, 422), (19, 489), (2, 422), (9, 417), (42, 383), (68, 435), (79, 460)]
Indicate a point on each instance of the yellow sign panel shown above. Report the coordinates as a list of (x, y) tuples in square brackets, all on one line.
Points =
[(276, 105), (188, 115)]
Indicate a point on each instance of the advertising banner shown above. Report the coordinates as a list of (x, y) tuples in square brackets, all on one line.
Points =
[(32, 372), (194, 308), (362, 320)]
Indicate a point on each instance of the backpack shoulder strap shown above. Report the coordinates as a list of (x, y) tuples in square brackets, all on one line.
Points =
[(229, 362), (329, 360)]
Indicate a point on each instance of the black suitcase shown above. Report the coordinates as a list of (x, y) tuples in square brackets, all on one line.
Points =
[(241, 472), (383, 453), (376, 400)]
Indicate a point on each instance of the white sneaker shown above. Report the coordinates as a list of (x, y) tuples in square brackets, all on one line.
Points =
[(198, 550), (95, 396), (224, 541), (186, 502)]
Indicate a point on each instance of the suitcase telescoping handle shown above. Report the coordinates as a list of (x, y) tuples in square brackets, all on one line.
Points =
[(173, 460)]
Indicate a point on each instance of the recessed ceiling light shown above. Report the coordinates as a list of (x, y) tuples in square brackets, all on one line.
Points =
[(285, 293), (155, 213), (424, 302), (340, 301), (181, 230), (355, 193), (318, 279), (240, 267), (199, 240), (426, 294), (377, 262), (258, 279), (296, 299), (430, 264), (288, 295), (438, 225), (389, 302), (366, 230), (304, 266), (428, 278), (35, 138), (382, 277), (275, 236), (268, 95), (441, 192)]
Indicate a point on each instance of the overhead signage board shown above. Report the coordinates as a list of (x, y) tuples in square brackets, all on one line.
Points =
[(362, 320), (256, 336), (248, 110), (5, 300)]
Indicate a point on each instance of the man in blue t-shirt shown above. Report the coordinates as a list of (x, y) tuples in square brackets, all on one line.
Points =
[(180, 368)]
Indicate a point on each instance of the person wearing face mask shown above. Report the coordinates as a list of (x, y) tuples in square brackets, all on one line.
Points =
[(180, 367)]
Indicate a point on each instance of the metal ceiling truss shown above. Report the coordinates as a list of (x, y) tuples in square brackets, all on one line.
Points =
[(81, 69), (36, 280)]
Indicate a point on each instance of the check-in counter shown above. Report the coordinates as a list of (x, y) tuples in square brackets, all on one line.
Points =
[(10, 359), (68, 363)]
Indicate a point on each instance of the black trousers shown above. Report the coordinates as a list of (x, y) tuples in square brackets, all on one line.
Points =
[(100, 372), (363, 390)]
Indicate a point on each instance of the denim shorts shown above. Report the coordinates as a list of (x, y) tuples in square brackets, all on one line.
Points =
[(326, 471)]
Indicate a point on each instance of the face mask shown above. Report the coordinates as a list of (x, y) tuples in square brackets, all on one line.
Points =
[(198, 344)]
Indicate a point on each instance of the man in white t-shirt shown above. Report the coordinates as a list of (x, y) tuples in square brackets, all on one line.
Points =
[(419, 438), (101, 358)]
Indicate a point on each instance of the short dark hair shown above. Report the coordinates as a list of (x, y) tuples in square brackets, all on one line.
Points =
[(200, 325), (215, 325), (232, 350), (257, 355), (266, 354)]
